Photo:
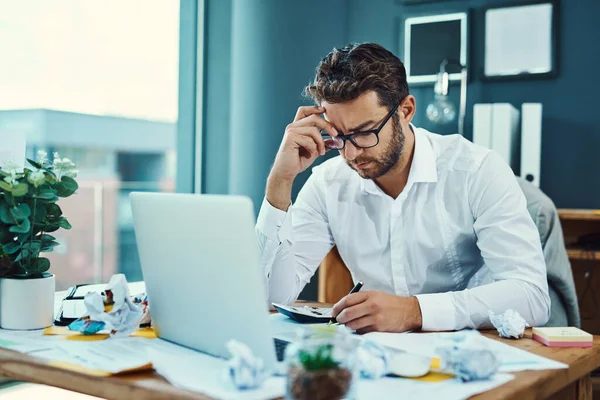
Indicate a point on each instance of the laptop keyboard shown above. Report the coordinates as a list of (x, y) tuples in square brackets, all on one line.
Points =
[(280, 346)]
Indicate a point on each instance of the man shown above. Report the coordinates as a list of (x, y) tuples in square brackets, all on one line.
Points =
[(419, 218)]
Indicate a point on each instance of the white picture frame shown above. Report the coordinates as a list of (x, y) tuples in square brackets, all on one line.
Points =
[(520, 41), (414, 67)]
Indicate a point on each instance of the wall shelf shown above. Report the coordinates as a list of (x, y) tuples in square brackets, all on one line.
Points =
[(584, 263), (580, 254), (579, 215)]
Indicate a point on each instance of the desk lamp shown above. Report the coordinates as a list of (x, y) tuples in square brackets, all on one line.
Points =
[(441, 110)]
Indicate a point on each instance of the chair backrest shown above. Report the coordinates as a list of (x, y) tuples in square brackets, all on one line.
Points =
[(335, 280)]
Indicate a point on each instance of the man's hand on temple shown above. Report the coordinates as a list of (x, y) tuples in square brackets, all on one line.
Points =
[(378, 311)]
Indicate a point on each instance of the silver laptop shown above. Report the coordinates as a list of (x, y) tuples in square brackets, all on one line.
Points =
[(200, 263)]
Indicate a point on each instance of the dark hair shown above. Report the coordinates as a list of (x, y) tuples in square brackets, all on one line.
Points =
[(345, 74)]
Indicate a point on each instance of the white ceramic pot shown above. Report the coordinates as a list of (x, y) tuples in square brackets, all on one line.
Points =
[(26, 303)]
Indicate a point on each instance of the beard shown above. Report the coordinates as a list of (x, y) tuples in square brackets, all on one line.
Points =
[(387, 160)]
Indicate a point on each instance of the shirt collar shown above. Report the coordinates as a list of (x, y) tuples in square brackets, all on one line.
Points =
[(423, 168)]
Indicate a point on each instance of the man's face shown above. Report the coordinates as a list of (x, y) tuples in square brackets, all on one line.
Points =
[(362, 114)]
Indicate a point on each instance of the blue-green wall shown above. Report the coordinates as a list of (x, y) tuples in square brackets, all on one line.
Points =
[(571, 124), (217, 86), (260, 54)]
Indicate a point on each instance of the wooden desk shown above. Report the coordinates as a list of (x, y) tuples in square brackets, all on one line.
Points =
[(584, 262), (572, 383)]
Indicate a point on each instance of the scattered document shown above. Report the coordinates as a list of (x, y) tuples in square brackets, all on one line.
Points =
[(198, 372), (112, 355), (511, 358), (27, 346), (109, 356), (452, 389)]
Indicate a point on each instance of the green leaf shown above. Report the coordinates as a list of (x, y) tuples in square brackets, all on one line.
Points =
[(23, 237), (63, 223), (66, 187), (48, 246), (42, 265), (47, 238), (51, 228), (21, 211), (6, 216), (6, 186), (23, 255), (11, 248), (21, 227), (41, 212), (54, 210), (48, 195), (4, 174), (34, 163), (34, 246), (20, 190), (10, 199)]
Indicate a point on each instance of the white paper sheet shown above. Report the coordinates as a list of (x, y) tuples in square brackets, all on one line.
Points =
[(23, 344), (198, 372), (195, 371), (394, 388), (110, 355), (511, 358), (73, 308)]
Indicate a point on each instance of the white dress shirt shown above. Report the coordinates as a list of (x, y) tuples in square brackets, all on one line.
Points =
[(458, 237)]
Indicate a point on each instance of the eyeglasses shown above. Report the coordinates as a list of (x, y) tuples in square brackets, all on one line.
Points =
[(362, 140)]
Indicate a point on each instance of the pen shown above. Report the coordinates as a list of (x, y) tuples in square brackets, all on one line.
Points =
[(355, 289)]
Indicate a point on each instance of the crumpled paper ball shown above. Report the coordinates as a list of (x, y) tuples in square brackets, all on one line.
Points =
[(142, 301), (464, 356), (373, 360), (123, 316), (244, 369), (510, 324)]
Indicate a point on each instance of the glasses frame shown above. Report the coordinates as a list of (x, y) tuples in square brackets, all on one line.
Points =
[(376, 131)]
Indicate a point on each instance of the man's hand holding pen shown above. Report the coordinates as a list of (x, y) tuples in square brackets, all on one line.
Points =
[(378, 311)]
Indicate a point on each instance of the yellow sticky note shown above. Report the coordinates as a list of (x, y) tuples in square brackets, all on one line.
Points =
[(147, 333), (78, 368), (59, 330), (433, 376), (88, 338)]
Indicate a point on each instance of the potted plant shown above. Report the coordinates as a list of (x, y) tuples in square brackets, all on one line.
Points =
[(320, 369), (28, 214)]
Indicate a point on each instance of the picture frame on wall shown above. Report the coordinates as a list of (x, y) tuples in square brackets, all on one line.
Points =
[(520, 41), (430, 39)]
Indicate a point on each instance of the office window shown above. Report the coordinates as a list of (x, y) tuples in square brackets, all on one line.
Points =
[(96, 81)]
